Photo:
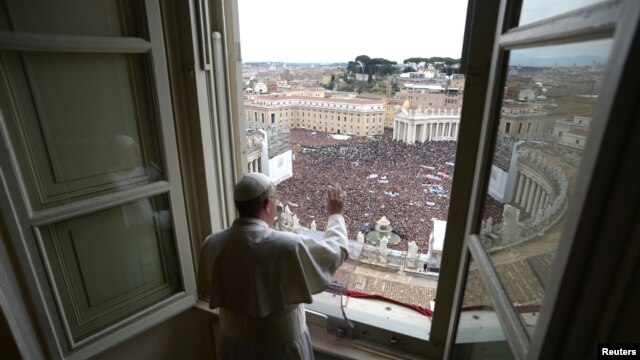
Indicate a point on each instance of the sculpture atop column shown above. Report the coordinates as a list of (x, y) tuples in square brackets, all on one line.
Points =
[(413, 249), (287, 215), (511, 231), (488, 225), (412, 254), (382, 249)]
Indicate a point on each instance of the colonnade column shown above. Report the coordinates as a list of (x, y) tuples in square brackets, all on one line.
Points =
[(536, 200), (543, 198), (395, 130), (412, 134), (254, 165), (527, 184), (405, 132), (520, 186), (530, 196)]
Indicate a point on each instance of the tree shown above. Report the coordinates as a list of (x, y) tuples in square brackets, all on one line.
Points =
[(352, 67), (435, 59)]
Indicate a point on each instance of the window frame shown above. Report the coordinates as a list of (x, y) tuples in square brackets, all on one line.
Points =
[(484, 74), (615, 20), (21, 221), (228, 25)]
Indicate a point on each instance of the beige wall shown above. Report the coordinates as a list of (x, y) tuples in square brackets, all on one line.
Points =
[(185, 336), (428, 99), (389, 115)]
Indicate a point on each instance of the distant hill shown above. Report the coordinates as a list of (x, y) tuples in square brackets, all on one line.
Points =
[(580, 60)]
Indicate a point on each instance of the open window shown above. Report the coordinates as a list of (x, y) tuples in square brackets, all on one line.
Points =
[(557, 75), (526, 121), (145, 89), (92, 191)]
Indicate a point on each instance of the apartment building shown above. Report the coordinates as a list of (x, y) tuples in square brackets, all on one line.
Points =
[(358, 117), (430, 96)]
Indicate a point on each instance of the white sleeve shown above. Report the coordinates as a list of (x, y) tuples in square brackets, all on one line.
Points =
[(337, 232), (315, 261)]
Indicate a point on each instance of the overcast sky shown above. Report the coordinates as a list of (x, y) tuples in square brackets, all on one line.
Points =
[(340, 30)]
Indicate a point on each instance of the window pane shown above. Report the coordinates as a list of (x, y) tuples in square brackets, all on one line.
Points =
[(73, 17), (535, 165), (479, 335), (534, 10), (113, 263), (83, 123)]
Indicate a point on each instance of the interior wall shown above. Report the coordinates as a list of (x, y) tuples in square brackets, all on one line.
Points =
[(185, 336)]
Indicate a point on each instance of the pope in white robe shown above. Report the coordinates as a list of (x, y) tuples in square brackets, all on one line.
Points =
[(259, 278)]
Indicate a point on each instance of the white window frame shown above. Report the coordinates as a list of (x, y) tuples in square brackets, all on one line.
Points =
[(21, 220), (617, 20), (226, 23)]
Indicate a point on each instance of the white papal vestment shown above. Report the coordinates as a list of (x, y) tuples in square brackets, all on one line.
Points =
[(259, 278)]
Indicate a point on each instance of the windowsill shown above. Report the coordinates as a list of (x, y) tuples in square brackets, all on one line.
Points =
[(476, 326), (377, 313), (341, 348), (354, 349)]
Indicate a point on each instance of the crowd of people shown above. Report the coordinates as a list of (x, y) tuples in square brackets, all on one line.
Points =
[(313, 140), (409, 184)]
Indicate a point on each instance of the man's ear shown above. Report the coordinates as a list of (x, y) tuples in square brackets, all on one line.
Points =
[(265, 204)]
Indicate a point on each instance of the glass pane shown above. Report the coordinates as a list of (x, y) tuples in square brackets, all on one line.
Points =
[(83, 123), (543, 130), (73, 17), (113, 263), (534, 10), (479, 333)]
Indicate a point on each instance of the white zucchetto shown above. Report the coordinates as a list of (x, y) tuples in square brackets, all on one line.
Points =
[(250, 186)]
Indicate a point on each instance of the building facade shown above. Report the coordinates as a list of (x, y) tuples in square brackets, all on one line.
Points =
[(431, 96), (358, 117), (420, 125)]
